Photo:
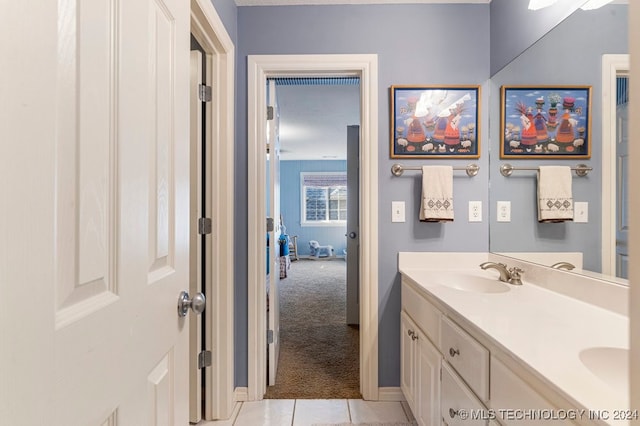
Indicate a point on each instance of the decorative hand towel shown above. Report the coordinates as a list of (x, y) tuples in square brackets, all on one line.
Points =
[(437, 194), (555, 199)]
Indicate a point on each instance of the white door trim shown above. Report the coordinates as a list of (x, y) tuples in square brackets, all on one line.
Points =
[(612, 65), (208, 29), (259, 68), (634, 207)]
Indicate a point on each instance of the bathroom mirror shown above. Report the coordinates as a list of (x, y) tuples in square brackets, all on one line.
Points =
[(569, 54)]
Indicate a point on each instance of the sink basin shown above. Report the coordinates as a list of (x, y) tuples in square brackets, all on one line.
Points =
[(611, 365), (471, 281)]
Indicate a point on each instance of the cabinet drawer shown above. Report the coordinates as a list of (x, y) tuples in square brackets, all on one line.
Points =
[(468, 357), (458, 405), (425, 315)]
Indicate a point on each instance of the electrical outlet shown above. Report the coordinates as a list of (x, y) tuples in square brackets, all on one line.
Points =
[(475, 211), (397, 211), (504, 211)]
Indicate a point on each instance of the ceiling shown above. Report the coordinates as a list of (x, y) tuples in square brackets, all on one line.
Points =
[(314, 120)]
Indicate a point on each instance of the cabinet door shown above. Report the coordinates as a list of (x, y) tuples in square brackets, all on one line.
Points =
[(407, 365), (459, 405), (427, 395), (511, 396)]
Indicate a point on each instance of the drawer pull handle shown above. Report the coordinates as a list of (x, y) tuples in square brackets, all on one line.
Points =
[(453, 352), (452, 413)]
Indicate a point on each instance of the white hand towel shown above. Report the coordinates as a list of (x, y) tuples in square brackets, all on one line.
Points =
[(437, 194), (555, 198)]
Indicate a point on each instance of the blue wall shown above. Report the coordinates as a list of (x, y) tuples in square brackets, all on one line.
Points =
[(416, 44), (228, 13), (514, 27), (568, 55), (290, 205)]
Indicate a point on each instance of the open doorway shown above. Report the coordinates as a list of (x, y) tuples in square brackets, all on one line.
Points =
[(318, 337), (261, 67), (615, 93)]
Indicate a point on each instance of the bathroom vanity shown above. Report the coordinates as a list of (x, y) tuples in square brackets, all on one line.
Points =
[(476, 350)]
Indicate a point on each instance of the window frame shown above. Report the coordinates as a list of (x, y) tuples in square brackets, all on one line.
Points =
[(303, 200)]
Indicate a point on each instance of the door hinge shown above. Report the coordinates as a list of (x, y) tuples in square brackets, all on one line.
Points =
[(269, 337), (204, 226), (269, 113), (204, 359), (204, 93)]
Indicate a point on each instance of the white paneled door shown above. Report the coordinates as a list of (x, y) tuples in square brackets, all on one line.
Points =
[(273, 211), (622, 178), (94, 223)]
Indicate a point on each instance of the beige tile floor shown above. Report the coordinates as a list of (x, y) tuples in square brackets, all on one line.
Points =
[(307, 412)]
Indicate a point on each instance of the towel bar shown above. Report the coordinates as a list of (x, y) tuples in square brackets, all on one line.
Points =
[(506, 169), (398, 169)]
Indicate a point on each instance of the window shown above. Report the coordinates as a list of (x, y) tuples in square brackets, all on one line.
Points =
[(324, 198)]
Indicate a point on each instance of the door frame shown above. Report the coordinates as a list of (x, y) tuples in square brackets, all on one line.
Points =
[(219, 53), (612, 65), (261, 67)]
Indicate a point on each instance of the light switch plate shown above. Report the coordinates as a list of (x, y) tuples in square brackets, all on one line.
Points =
[(397, 211), (581, 212), (475, 211), (504, 211)]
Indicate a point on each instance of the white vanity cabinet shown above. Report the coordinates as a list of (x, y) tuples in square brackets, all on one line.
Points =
[(431, 386), (449, 377), (420, 373)]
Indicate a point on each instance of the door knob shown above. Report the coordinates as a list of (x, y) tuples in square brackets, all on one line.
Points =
[(197, 303), (352, 235)]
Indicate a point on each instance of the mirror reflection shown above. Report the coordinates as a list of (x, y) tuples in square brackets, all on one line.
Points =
[(570, 54)]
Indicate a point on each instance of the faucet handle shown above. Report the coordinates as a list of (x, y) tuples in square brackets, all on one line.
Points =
[(515, 271), (515, 275)]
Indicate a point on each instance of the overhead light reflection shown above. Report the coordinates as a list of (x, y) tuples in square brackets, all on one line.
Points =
[(539, 4), (595, 4), (589, 5)]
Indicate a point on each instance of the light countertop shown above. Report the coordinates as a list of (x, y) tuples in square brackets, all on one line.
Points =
[(544, 331)]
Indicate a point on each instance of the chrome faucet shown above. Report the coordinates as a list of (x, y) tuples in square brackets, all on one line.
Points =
[(563, 265), (507, 275)]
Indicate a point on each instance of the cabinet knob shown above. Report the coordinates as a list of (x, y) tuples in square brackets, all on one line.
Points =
[(452, 413), (453, 352), (415, 336)]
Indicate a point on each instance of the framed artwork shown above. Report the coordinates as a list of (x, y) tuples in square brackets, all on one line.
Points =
[(435, 121), (545, 122)]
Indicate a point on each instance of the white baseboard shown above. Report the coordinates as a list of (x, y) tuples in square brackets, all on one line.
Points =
[(241, 394), (390, 394)]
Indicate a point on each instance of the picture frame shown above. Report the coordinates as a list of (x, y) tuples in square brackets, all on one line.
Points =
[(435, 121), (545, 122)]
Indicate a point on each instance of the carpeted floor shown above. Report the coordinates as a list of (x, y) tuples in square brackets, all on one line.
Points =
[(319, 353)]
